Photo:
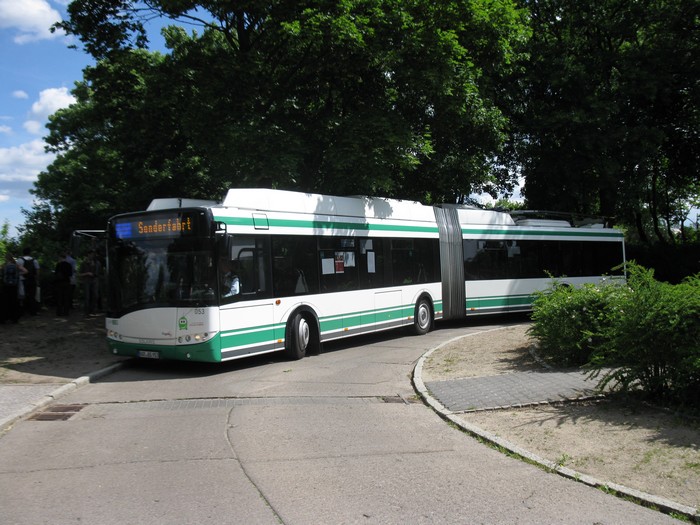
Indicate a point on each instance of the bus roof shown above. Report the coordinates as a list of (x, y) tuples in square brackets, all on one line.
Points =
[(317, 204), (267, 200), (171, 203), (284, 201)]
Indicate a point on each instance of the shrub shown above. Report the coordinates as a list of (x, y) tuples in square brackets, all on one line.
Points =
[(655, 341), (644, 334), (570, 323)]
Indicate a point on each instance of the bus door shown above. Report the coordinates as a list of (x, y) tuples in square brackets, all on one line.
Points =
[(245, 295)]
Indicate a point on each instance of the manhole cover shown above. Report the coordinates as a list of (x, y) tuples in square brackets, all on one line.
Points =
[(57, 413)]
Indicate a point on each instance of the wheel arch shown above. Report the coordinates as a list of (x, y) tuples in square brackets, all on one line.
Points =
[(426, 295), (312, 318)]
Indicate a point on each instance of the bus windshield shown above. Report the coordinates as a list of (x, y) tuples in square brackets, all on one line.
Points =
[(148, 271), (159, 273)]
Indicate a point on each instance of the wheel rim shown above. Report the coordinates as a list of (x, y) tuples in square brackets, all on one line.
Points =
[(304, 334), (423, 316)]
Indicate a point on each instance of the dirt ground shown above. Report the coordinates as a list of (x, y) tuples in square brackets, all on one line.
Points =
[(631, 444), (49, 349), (619, 441)]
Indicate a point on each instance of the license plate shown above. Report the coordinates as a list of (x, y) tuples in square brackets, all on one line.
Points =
[(148, 354)]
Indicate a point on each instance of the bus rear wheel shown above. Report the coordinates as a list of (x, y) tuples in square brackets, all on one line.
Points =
[(423, 317), (299, 337)]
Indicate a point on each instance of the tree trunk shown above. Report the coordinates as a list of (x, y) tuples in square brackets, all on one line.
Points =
[(640, 228), (654, 209)]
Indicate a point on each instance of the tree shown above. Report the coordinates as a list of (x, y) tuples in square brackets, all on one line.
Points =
[(400, 98), (611, 119), (119, 145), (6, 242)]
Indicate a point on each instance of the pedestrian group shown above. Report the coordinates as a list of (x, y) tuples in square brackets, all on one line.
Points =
[(20, 291)]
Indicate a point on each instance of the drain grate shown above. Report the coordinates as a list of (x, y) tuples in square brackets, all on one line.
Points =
[(57, 413), (400, 399)]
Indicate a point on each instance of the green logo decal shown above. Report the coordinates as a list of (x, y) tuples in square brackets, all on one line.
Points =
[(183, 323)]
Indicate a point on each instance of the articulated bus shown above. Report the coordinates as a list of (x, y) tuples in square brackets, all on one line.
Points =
[(271, 270)]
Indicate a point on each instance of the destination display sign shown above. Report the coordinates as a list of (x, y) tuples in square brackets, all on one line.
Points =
[(162, 225)]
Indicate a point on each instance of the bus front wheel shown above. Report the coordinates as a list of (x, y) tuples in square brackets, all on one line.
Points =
[(299, 336), (423, 317)]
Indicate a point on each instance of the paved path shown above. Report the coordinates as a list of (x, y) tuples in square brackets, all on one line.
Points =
[(506, 390), (455, 397), (447, 397), (18, 399)]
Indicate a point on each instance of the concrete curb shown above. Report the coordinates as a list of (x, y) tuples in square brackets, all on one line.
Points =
[(648, 500), (60, 392)]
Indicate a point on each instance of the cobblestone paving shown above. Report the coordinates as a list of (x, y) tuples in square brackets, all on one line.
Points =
[(521, 388)]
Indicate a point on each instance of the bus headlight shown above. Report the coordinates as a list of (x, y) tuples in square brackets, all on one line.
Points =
[(195, 338)]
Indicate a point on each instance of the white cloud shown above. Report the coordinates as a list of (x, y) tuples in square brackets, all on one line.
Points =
[(5, 129), (22, 164), (19, 93), (50, 101), (34, 127), (31, 19), (19, 168)]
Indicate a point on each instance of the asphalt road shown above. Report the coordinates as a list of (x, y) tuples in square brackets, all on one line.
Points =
[(334, 438)]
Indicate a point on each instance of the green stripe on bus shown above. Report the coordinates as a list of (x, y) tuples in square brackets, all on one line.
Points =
[(250, 337), (546, 233), (207, 351), (271, 333), (290, 223), (494, 301)]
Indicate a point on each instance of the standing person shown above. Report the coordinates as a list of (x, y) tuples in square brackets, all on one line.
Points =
[(73, 277), (63, 273), (29, 281), (89, 272), (11, 275)]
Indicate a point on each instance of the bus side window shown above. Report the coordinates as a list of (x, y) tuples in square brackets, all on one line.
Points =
[(294, 268), (248, 258), (338, 261)]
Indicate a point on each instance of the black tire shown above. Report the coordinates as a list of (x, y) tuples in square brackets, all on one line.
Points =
[(422, 317), (299, 337)]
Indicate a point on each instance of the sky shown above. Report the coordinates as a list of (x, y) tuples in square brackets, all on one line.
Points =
[(37, 73)]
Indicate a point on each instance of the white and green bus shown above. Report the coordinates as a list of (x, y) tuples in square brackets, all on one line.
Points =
[(270, 270)]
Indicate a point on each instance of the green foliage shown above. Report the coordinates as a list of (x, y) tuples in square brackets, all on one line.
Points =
[(642, 334), (655, 342), (4, 239), (505, 204), (571, 323), (400, 98), (595, 104), (119, 146), (612, 102), (7, 243)]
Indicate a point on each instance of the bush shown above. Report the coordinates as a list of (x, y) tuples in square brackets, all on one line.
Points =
[(655, 342), (571, 323), (644, 334)]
